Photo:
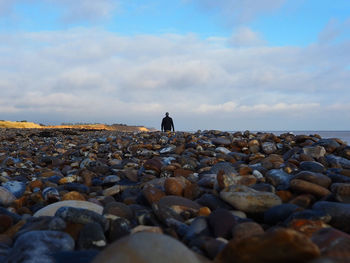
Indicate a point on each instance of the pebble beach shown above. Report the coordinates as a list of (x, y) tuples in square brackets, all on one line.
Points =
[(80, 195)]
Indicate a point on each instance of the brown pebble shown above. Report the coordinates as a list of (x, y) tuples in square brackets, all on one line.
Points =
[(279, 245), (152, 194), (173, 187), (204, 211), (73, 195), (307, 187)]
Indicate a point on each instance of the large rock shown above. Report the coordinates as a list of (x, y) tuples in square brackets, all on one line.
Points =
[(50, 210), (226, 167), (339, 212), (6, 197), (249, 200), (280, 245), (38, 246), (144, 247), (278, 178)]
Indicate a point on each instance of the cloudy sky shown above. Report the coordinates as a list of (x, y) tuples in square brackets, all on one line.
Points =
[(213, 64)]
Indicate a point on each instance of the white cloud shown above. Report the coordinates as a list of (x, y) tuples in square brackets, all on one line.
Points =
[(240, 11), (93, 75), (72, 10), (244, 36)]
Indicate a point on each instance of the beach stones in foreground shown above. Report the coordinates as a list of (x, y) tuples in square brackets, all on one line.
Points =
[(279, 245), (51, 209), (145, 247), (249, 200), (38, 246), (6, 197), (339, 212)]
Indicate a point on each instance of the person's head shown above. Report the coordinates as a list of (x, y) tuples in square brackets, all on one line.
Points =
[(167, 114)]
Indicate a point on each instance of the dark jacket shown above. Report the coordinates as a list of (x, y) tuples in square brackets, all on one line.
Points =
[(167, 124)]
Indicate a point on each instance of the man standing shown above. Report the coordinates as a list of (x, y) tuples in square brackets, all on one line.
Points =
[(167, 123)]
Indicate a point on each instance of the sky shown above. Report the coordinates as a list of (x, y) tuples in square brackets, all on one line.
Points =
[(212, 64)]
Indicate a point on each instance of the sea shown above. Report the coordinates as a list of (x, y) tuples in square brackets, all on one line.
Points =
[(343, 135)]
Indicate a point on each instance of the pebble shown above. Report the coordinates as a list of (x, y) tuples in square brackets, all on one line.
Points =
[(91, 236), (340, 214), (51, 209), (279, 245), (145, 247), (15, 187), (216, 195), (6, 197), (80, 216), (247, 199), (38, 246)]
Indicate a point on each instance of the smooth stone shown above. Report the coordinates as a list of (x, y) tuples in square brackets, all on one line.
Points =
[(309, 215), (339, 178), (91, 236), (118, 209), (249, 200), (81, 256), (278, 178), (15, 217), (279, 213), (50, 193), (314, 151), (312, 166), (173, 186), (77, 187), (264, 187), (246, 229), (339, 212), (306, 226), (316, 178), (342, 192), (226, 167), (143, 228), (153, 164), (343, 162), (213, 247), (42, 223), (81, 216), (221, 141), (279, 245), (73, 195), (112, 190), (168, 149), (221, 221), (213, 202), (222, 150), (6, 197), (144, 247), (329, 144), (152, 194), (110, 180), (269, 147), (175, 207), (199, 226), (334, 244), (51, 209), (15, 187), (307, 187), (38, 246)]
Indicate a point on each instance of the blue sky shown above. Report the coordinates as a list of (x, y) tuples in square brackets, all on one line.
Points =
[(223, 64)]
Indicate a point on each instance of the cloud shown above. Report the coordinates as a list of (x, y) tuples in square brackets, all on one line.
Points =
[(334, 30), (71, 11), (239, 11), (92, 75), (82, 10), (244, 36)]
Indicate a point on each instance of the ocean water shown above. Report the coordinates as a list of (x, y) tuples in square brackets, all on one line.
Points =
[(343, 135)]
